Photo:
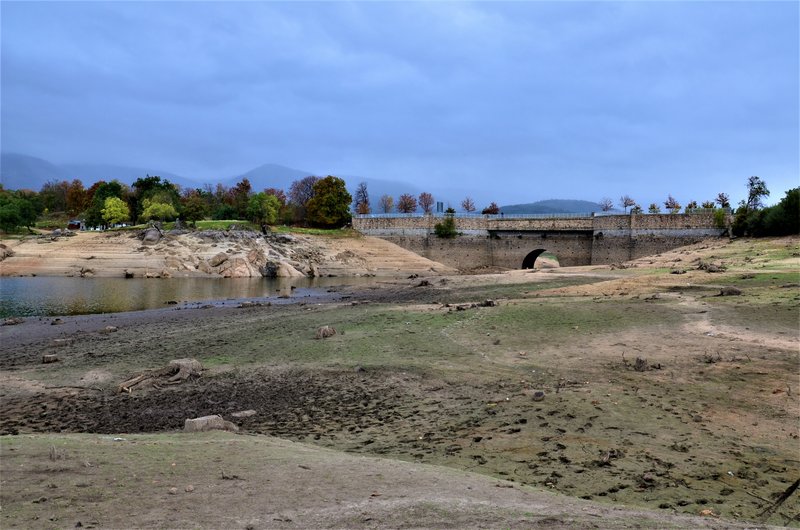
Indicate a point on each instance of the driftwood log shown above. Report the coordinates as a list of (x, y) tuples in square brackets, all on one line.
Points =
[(176, 372)]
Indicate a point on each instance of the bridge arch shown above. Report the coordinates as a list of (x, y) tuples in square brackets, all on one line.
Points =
[(530, 259)]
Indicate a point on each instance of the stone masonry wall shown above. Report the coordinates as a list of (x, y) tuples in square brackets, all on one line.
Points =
[(504, 242)]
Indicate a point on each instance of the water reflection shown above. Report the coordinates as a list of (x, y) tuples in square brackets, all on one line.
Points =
[(41, 296)]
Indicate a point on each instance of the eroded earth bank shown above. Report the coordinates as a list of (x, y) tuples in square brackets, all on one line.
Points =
[(637, 387)]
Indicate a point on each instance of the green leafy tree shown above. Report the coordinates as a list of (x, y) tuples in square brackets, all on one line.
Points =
[(101, 191), (193, 206), (708, 205), (154, 189), (224, 212), (18, 209), (330, 205), (636, 209), (653, 208), (749, 219), (54, 195), (756, 190), (783, 219), (155, 209), (115, 211), (263, 208), (10, 217)]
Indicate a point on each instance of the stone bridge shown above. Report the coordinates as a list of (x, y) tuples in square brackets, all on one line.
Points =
[(516, 242)]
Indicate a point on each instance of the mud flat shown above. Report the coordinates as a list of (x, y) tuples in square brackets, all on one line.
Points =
[(629, 386)]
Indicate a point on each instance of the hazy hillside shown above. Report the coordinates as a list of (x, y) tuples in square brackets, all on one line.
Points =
[(552, 206), (19, 171), (269, 176), (26, 172)]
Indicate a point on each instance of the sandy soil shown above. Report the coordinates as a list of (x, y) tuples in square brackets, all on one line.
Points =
[(657, 394)]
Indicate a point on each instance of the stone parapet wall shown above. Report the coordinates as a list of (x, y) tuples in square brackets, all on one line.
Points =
[(504, 242), (386, 225)]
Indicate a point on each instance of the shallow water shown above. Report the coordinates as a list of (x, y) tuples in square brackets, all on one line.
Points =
[(45, 296)]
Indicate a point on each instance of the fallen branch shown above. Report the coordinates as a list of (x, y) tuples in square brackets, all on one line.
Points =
[(785, 495), (178, 371)]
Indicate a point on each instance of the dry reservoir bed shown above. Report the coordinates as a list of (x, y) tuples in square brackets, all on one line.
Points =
[(657, 393)]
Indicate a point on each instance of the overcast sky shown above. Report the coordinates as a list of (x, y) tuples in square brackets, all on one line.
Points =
[(525, 100)]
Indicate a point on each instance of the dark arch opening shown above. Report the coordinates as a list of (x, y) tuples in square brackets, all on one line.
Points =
[(530, 259)]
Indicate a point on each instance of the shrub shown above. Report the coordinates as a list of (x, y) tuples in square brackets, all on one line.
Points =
[(447, 228)]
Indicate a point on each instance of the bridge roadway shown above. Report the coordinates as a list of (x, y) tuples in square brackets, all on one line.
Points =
[(517, 241)]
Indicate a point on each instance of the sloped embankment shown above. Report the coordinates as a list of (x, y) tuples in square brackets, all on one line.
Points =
[(210, 253)]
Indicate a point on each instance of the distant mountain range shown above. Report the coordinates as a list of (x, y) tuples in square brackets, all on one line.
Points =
[(28, 172), (19, 171), (552, 206)]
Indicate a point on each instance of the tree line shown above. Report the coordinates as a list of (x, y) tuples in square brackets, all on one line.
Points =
[(750, 217), (315, 201)]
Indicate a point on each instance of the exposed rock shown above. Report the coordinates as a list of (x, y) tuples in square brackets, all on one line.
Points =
[(209, 423), (243, 414), (730, 291), (324, 332), (203, 266), (280, 269), (49, 358), (710, 267), (12, 321), (151, 235), (238, 267), (5, 252), (173, 263), (218, 259)]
